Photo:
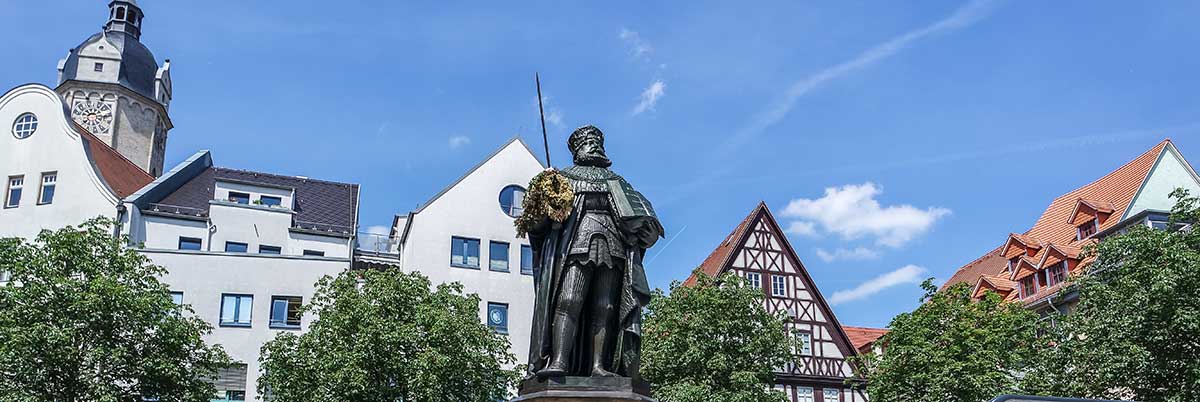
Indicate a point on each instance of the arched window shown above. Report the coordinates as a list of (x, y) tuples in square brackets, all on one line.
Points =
[(120, 13), (510, 200)]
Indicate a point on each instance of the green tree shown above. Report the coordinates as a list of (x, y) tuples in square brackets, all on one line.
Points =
[(384, 335), (713, 341), (85, 319), (952, 349), (1136, 331)]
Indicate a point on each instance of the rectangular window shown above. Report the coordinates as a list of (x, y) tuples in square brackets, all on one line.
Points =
[(832, 395), (270, 201), (804, 394), (498, 256), (5, 276), (265, 249), (235, 310), (526, 260), (314, 253), (497, 317), (230, 382), (235, 247), (285, 312), (177, 297), (49, 180), (778, 285), (189, 243), (1058, 273), (805, 341), (98, 67), (240, 198), (464, 252), (755, 279), (1027, 287), (1087, 229), (15, 184)]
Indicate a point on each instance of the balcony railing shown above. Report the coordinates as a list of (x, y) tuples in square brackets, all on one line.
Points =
[(322, 227), (178, 210), (375, 242)]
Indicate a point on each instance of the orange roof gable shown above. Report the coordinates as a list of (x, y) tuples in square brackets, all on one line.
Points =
[(1110, 194), (719, 256)]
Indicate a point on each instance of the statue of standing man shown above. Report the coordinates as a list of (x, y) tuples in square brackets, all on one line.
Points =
[(590, 283)]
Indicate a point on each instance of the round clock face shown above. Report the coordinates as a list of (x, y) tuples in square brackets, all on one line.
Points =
[(96, 117)]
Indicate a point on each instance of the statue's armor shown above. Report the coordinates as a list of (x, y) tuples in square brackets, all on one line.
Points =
[(597, 241)]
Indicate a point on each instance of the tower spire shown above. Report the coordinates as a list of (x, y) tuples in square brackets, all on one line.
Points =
[(124, 16)]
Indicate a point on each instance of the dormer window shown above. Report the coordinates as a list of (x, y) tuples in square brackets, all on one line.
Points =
[(1028, 288), (120, 13), (1012, 264), (270, 201), (1087, 229), (1058, 273), (240, 198)]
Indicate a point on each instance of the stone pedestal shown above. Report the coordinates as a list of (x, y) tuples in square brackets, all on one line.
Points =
[(584, 389)]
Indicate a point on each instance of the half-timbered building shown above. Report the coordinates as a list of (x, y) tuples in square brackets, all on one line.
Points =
[(758, 251)]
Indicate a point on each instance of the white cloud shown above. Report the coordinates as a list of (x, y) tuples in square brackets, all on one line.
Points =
[(904, 275), (852, 212), (639, 48), (963, 17), (650, 97), (459, 141), (802, 228), (553, 114), (855, 254)]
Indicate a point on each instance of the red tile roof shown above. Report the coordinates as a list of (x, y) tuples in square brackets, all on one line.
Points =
[(1112, 194), (862, 337), (122, 176), (716, 260)]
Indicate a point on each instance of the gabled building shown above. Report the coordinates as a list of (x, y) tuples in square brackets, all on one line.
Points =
[(1032, 267), (244, 249), (758, 252), (55, 172), (465, 234)]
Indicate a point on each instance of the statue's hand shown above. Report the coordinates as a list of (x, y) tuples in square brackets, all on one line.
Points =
[(642, 232)]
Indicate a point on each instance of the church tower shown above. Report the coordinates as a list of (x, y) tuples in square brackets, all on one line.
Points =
[(116, 90)]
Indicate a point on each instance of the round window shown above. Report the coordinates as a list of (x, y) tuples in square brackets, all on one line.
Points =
[(510, 200), (25, 125)]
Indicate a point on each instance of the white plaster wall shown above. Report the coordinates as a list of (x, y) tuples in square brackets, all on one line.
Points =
[(332, 246), (204, 276), (1169, 173), (472, 209), (250, 224), (166, 232), (54, 147)]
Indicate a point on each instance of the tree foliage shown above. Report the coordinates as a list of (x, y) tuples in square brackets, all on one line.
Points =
[(85, 319), (1136, 330), (384, 335), (952, 349), (714, 341)]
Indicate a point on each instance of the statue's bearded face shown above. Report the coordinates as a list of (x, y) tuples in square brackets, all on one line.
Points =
[(589, 151)]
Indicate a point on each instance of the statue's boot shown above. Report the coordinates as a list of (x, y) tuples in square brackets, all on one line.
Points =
[(601, 337), (564, 332)]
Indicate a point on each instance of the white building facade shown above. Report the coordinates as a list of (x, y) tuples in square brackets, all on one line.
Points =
[(55, 173), (465, 234), (244, 250)]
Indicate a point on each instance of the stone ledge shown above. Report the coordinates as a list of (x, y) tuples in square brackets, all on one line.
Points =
[(584, 389)]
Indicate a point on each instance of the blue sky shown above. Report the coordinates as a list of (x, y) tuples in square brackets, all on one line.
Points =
[(897, 141)]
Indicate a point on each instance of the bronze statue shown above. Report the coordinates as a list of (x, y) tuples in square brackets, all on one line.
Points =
[(588, 274)]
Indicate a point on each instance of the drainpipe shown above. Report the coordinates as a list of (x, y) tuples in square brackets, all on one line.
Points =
[(120, 217)]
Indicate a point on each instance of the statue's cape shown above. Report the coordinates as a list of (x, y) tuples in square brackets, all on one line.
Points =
[(550, 249)]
